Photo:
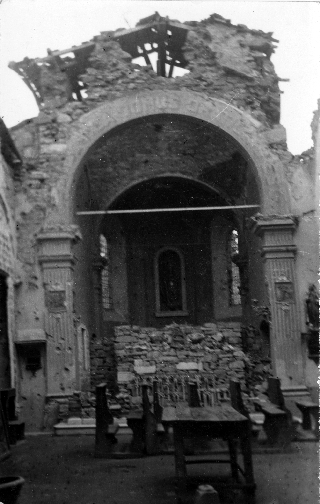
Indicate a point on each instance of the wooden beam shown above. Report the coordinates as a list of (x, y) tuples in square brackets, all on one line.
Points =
[(162, 35), (158, 210)]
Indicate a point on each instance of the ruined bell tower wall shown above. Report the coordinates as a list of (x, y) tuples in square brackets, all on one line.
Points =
[(229, 83)]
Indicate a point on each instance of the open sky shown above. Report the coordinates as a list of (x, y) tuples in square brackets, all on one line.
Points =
[(29, 27)]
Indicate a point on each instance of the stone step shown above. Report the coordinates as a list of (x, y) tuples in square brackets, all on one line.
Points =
[(76, 426)]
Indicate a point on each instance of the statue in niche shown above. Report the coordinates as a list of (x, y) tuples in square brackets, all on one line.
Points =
[(170, 281), (312, 303), (313, 307)]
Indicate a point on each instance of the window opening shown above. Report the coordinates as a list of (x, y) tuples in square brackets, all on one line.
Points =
[(170, 283), (105, 274), (233, 270)]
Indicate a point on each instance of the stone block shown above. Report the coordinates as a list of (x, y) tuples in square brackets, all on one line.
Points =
[(125, 339), (218, 337), (63, 118), (29, 152), (74, 421), (54, 148), (124, 377), (277, 135), (232, 68), (196, 337), (239, 354), (136, 401), (188, 366), (236, 365), (227, 333), (145, 369), (210, 325), (206, 494), (88, 421), (43, 118), (234, 340)]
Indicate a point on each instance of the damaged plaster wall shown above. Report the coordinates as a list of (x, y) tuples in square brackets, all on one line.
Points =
[(7, 270), (224, 62)]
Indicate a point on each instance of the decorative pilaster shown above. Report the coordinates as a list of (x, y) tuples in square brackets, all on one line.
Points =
[(57, 260), (278, 252), (97, 267)]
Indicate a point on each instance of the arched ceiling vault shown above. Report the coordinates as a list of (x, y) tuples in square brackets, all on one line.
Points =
[(243, 138), (172, 148)]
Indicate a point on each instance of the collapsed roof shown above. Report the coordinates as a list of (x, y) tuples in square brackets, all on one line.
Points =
[(154, 34)]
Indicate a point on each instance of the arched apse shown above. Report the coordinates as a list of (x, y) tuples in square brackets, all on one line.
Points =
[(232, 123)]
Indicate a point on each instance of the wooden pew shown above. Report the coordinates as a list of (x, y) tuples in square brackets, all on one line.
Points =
[(236, 398), (143, 423), (106, 430), (15, 426), (278, 424), (310, 411)]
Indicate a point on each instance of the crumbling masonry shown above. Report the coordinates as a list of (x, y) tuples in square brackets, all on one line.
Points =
[(119, 140)]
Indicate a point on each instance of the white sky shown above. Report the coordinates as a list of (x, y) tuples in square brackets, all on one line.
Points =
[(29, 27)]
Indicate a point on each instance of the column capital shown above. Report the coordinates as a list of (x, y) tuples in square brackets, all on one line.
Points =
[(274, 223), (60, 232), (276, 232), (55, 244)]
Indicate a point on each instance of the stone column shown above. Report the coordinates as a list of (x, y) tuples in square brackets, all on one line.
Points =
[(57, 260), (278, 252)]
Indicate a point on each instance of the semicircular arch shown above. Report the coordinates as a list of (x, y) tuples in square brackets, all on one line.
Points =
[(239, 126)]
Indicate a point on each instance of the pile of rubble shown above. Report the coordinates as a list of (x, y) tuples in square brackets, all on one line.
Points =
[(212, 349)]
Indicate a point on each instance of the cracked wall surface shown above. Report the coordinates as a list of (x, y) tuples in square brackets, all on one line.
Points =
[(107, 123)]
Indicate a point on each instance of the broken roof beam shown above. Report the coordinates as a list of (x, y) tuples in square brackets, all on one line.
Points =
[(29, 71), (165, 37), (162, 35), (86, 47)]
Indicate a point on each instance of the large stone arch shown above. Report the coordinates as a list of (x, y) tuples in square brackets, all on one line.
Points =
[(243, 129)]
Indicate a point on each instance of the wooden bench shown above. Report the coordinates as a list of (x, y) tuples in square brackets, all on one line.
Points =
[(106, 430), (145, 424), (15, 426), (310, 416), (278, 424)]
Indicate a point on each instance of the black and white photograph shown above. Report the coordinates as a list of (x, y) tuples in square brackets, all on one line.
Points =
[(159, 251)]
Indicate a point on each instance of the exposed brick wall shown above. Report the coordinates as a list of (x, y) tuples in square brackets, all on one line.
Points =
[(213, 348), (256, 349), (59, 409), (102, 363), (225, 62)]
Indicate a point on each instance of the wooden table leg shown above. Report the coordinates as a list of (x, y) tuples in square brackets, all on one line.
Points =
[(181, 470), (232, 443), (248, 466), (138, 435)]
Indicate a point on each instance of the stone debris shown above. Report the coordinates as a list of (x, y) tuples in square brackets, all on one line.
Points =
[(228, 69), (180, 349)]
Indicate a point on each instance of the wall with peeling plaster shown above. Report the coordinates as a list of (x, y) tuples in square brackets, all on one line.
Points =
[(82, 155), (7, 269)]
